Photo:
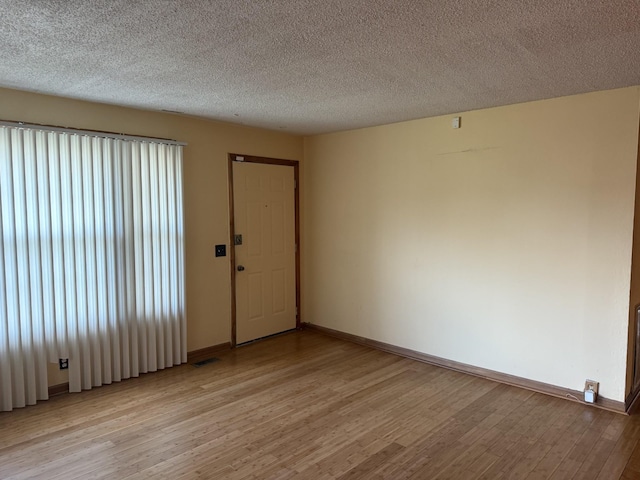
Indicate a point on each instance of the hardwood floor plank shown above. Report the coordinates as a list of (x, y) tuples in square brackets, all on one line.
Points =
[(307, 406), (597, 459), (373, 462), (578, 453), (632, 468)]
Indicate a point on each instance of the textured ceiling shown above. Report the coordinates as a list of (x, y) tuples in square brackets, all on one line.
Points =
[(318, 66)]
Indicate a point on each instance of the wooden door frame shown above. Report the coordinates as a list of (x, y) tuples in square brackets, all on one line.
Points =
[(234, 157)]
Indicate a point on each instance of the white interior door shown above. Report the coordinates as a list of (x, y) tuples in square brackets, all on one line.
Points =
[(264, 214)]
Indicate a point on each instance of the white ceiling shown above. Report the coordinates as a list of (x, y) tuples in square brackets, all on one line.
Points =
[(318, 66)]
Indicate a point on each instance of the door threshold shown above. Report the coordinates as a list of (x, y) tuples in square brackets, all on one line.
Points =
[(244, 344)]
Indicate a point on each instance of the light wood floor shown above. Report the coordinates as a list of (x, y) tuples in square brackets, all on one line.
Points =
[(307, 406)]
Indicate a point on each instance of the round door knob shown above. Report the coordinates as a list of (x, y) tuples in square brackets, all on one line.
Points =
[(240, 268)]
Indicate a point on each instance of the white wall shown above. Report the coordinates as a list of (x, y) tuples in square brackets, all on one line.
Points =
[(505, 244)]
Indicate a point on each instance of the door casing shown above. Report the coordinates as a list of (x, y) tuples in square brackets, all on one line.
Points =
[(235, 157)]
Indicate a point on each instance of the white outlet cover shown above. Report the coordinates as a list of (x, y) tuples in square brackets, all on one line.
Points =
[(455, 122)]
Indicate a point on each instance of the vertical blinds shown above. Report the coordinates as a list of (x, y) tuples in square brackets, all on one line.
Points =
[(91, 260)]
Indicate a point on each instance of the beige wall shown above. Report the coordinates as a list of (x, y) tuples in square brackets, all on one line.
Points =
[(634, 299), (206, 199), (505, 244)]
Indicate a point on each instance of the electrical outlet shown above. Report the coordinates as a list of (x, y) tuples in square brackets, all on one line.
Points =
[(221, 250), (590, 391), (64, 363)]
